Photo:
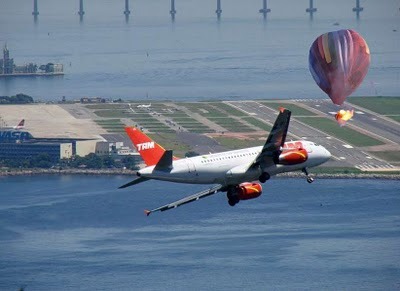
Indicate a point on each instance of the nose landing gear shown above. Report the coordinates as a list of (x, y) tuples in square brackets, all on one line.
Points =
[(309, 179)]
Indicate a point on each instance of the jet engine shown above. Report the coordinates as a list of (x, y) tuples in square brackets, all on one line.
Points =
[(293, 157), (244, 191)]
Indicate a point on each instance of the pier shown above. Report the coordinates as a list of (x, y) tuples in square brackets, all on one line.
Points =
[(265, 9), (173, 10), (35, 8), (311, 9), (127, 11), (358, 9), (81, 12), (219, 10)]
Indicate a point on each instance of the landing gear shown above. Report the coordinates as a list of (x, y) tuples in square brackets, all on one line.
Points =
[(264, 177), (233, 198), (309, 179)]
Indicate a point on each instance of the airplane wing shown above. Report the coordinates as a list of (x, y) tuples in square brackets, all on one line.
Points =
[(272, 147), (134, 182), (187, 199)]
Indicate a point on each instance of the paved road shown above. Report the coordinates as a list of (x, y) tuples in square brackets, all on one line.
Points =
[(341, 151)]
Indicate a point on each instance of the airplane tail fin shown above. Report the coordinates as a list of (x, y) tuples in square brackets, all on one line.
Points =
[(20, 124), (150, 151)]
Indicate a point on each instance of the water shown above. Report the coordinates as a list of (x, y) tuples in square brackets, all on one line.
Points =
[(80, 232), (194, 58)]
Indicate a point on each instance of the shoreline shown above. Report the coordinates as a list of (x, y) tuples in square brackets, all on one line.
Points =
[(115, 172)]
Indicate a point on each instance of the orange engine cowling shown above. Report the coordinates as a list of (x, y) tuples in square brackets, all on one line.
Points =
[(293, 157), (247, 191)]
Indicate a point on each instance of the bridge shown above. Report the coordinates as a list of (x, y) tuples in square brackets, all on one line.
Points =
[(264, 9)]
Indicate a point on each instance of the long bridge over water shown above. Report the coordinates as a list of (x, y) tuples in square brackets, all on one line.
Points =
[(264, 10)]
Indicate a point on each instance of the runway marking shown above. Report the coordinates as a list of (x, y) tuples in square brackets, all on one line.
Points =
[(347, 146), (342, 158), (331, 112), (359, 112)]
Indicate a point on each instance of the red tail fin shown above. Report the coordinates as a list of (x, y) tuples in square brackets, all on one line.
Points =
[(149, 150)]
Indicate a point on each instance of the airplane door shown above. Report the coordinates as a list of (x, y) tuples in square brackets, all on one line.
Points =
[(191, 167)]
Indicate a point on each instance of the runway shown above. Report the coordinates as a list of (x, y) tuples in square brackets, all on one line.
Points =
[(343, 153)]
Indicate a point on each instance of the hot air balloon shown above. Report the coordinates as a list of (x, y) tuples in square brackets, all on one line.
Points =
[(338, 62)]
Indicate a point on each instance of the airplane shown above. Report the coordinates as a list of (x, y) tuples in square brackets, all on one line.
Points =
[(20, 125), (233, 172), (144, 105)]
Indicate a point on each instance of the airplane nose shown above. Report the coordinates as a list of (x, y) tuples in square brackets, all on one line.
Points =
[(328, 154)]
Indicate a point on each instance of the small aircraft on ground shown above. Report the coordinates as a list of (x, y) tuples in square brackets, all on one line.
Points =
[(232, 171), (144, 105)]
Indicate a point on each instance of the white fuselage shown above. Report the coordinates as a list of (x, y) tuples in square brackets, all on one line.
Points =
[(232, 167)]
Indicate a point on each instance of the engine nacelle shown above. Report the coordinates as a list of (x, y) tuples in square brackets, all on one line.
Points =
[(246, 191), (293, 157)]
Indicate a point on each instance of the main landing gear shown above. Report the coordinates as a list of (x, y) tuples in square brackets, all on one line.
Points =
[(264, 177), (309, 179), (233, 198)]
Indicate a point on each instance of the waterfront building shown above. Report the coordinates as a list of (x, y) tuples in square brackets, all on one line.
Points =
[(20, 144), (6, 64), (8, 68)]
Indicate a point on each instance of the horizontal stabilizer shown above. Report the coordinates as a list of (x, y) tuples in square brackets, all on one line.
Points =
[(134, 182)]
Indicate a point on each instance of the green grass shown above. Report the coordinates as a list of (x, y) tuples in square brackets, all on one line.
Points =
[(258, 123), (234, 143), (231, 124), (170, 141), (111, 125), (229, 109), (381, 105), (296, 110), (113, 113), (390, 156), (107, 106), (204, 109), (335, 170), (394, 117), (346, 134)]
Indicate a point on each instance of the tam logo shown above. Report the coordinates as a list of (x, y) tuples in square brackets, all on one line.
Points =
[(145, 146)]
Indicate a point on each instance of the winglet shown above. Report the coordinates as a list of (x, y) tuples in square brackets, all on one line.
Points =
[(147, 212)]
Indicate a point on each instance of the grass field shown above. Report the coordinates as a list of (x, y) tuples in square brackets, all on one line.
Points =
[(258, 123), (231, 124), (234, 143), (117, 113), (296, 110), (107, 106), (204, 109), (381, 105), (346, 134), (394, 117), (389, 156), (230, 110), (170, 141), (111, 125)]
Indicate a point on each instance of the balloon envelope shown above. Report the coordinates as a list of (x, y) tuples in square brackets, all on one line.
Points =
[(338, 62)]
